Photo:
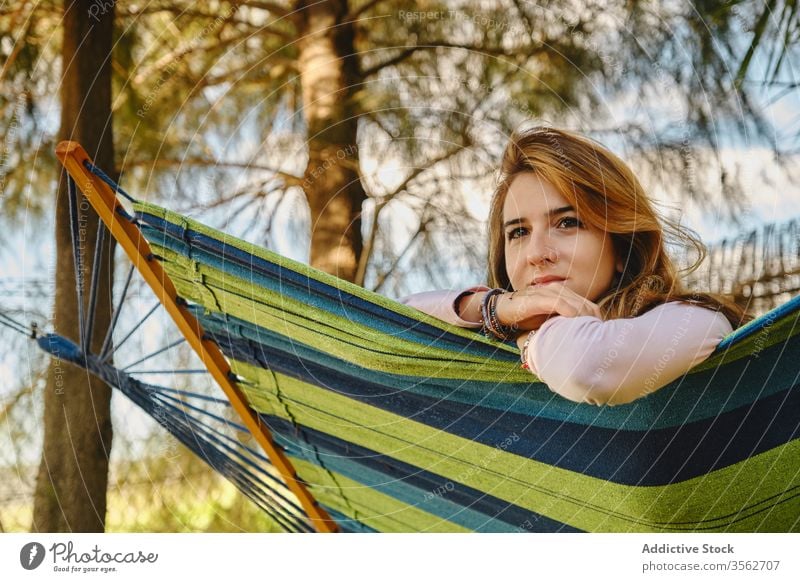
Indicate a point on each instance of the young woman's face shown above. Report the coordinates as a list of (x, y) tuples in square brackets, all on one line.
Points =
[(547, 244)]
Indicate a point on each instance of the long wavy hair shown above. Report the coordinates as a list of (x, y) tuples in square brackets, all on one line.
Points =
[(606, 195)]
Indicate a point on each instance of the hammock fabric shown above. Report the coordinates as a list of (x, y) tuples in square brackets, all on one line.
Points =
[(397, 421)]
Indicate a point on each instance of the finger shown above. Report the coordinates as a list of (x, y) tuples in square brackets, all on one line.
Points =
[(560, 304), (565, 295), (578, 304), (552, 299), (573, 305)]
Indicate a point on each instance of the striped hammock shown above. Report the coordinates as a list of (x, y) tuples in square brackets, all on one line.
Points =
[(396, 421)]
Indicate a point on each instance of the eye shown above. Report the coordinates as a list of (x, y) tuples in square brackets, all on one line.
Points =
[(569, 222), (515, 233)]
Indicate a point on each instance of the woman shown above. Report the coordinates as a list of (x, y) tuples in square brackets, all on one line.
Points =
[(581, 278)]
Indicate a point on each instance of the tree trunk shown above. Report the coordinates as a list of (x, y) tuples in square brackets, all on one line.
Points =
[(329, 76), (73, 475)]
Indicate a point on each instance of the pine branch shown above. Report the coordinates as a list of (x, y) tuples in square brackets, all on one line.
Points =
[(271, 7), (289, 179), (353, 16), (19, 42), (758, 31), (488, 51), (391, 62), (369, 244), (423, 227), (267, 28)]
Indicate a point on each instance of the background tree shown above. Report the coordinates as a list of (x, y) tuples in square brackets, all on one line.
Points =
[(73, 474)]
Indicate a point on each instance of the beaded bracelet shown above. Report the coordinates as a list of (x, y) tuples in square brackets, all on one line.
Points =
[(491, 324), (504, 332), (486, 318), (523, 355)]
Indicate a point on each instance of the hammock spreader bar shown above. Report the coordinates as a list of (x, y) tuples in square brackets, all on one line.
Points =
[(97, 191)]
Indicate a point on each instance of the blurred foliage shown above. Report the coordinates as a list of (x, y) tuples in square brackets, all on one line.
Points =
[(178, 493), (208, 105)]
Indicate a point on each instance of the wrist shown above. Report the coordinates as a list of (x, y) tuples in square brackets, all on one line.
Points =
[(492, 326), (503, 309)]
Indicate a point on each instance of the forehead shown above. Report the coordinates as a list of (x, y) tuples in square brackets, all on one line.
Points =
[(530, 196)]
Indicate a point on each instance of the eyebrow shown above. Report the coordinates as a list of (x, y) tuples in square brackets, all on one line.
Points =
[(552, 213)]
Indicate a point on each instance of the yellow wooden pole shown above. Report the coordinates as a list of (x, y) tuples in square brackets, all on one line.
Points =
[(130, 238)]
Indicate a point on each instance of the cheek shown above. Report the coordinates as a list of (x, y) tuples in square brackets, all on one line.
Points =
[(511, 268), (600, 260), (510, 258), (513, 264), (607, 259)]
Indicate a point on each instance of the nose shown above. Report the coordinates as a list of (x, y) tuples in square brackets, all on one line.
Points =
[(540, 250)]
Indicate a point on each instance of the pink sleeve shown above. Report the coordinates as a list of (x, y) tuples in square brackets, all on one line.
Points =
[(586, 359), (439, 304)]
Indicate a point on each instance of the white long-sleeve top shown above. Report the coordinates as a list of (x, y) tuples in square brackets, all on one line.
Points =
[(587, 359)]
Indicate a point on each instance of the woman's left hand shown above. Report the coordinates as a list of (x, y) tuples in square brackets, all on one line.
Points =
[(529, 308)]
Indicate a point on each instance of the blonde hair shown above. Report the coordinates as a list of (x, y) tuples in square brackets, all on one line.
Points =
[(606, 195)]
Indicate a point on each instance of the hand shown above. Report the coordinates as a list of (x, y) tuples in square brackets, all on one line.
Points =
[(529, 308)]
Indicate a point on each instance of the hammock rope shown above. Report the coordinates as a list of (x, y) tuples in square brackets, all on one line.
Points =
[(93, 285), (15, 325), (110, 353), (154, 354), (77, 259), (240, 463), (115, 316), (115, 187)]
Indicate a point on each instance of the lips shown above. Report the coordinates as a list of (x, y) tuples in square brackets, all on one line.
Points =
[(546, 279)]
